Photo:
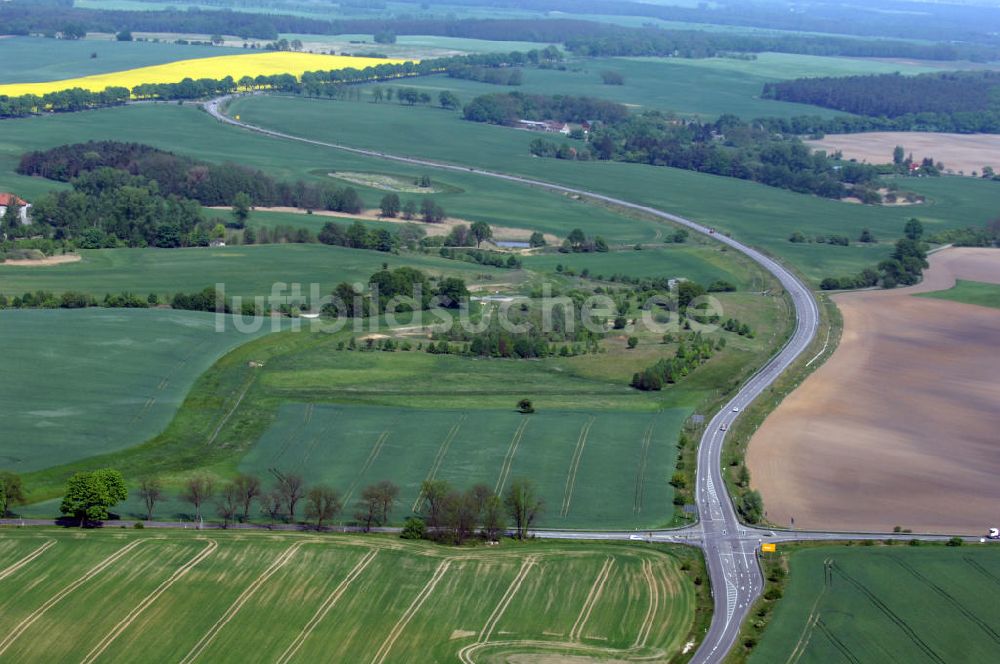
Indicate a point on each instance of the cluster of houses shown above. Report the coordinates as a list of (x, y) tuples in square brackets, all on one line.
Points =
[(553, 126)]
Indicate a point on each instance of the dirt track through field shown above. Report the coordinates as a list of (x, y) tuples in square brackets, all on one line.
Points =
[(900, 426)]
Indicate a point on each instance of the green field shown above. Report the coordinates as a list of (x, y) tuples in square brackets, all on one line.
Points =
[(244, 270), (902, 604), (970, 292), (759, 215), (185, 130), (703, 263), (592, 468), (705, 88), (34, 59), (296, 399), (82, 382), (228, 597)]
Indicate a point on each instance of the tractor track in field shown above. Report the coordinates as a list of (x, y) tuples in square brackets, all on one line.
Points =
[(950, 599), (31, 618), (147, 601), (891, 615), (574, 466), (206, 640), (326, 607), (508, 460), (411, 611), (12, 569), (439, 459), (640, 473), (596, 591)]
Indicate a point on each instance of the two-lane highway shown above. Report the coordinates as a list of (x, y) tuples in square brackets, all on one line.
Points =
[(730, 548)]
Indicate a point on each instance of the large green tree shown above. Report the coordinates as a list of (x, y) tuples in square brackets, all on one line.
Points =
[(11, 491), (523, 504), (481, 231), (89, 496), (241, 209)]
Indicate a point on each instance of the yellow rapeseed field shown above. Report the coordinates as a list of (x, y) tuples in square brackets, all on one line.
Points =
[(237, 66)]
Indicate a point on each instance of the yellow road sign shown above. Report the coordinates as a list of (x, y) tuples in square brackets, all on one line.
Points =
[(768, 547)]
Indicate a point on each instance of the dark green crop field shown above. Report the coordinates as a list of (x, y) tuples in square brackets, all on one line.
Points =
[(881, 604)]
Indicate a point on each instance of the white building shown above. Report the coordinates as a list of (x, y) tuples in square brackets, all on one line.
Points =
[(6, 200)]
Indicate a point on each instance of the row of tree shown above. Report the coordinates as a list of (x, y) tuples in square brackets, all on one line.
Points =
[(728, 147), (903, 268), (446, 514), (453, 516)]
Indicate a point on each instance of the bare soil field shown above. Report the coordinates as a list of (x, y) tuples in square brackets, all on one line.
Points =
[(61, 259), (958, 152), (902, 425)]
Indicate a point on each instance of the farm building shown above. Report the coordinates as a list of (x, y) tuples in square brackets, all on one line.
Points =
[(8, 200)]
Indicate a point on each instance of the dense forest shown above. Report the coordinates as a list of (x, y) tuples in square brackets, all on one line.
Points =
[(895, 95), (136, 195), (701, 44), (508, 108), (729, 146), (175, 175)]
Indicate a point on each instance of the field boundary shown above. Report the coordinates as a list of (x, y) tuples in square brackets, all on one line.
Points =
[(326, 606), (148, 600)]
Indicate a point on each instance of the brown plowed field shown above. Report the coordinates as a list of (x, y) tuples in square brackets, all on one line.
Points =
[(902, 425), (958, 152)]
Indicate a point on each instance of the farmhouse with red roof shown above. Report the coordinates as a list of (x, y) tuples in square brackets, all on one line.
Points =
[(7, 200)]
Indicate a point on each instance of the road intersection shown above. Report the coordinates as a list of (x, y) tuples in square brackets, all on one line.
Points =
[(730, 547)]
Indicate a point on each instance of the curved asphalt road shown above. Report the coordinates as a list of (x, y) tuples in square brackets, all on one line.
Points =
[(730, 547)]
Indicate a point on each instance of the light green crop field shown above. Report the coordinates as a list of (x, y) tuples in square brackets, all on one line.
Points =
[(82, 382), (244, 270), (597, 469), (906, 604), (230, 597), (703, 263), (185, 130), (705, 88), (760, 215), (970, 292), (34, 59), (296, 398)]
